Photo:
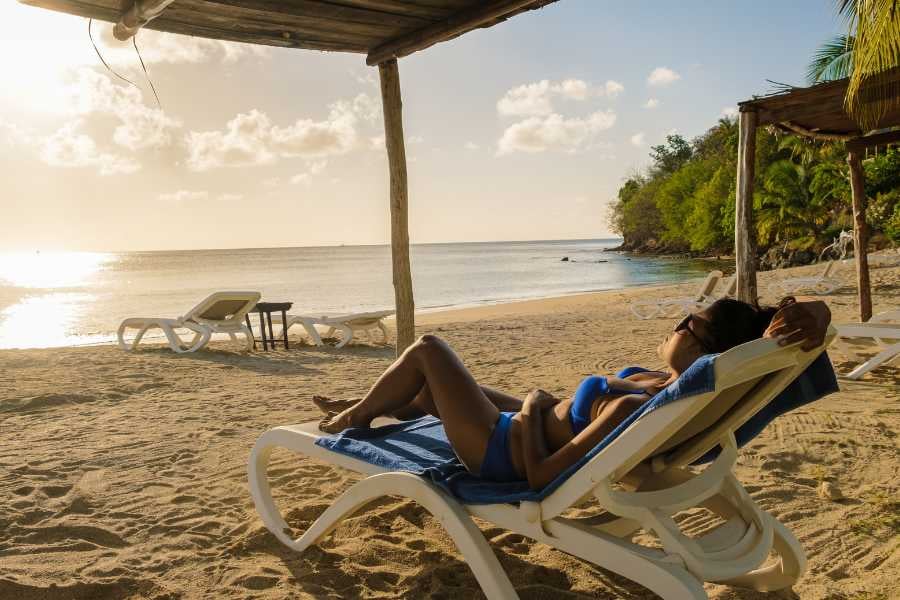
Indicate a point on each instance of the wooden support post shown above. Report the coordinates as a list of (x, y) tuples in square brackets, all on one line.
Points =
[(392, 104), (744, 227), (860, 235)]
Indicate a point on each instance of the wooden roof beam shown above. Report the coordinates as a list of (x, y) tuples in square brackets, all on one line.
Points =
[(452, 26), (871, 141), (139, 14)]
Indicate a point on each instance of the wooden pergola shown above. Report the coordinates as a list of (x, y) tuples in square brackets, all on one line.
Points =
[(817, 113), (383, 30)]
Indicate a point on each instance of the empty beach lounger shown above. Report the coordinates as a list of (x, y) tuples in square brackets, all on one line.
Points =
[(221, 312), (669, 307), (822, 284), (883, 330), (718, 404), (348, 325)]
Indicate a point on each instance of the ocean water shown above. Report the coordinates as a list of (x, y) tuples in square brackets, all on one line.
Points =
[(61, 299)]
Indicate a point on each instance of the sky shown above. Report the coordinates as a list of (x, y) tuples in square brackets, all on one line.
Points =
[(522, 131)]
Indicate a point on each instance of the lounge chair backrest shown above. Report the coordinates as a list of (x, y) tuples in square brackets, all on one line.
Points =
[(731, 288), (223, 307), (747, 377), (709, 284)]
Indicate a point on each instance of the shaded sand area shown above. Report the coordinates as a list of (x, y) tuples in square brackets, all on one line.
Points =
[(123, 475)]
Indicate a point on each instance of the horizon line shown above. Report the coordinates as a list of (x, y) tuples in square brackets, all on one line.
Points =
[(337, 245)]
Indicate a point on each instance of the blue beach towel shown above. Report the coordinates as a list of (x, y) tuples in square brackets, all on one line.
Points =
[(421, 446)]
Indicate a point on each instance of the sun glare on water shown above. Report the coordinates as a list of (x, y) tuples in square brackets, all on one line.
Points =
[(50, 269), (46, 302)]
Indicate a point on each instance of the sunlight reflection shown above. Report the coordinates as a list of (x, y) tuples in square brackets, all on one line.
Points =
[(50, 269), (45, 321)]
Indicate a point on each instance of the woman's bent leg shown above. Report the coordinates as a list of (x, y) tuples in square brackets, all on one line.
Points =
[(467, 413)]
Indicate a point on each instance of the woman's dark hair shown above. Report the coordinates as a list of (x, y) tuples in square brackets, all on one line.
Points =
[(732, 322)]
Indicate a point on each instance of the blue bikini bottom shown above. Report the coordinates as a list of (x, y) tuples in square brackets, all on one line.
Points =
[(497, 463)]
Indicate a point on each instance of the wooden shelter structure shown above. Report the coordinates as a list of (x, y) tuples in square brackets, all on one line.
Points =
[(383, 30), (817, 113)]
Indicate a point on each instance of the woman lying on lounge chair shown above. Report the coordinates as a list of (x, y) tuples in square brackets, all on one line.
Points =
[(502, 438)]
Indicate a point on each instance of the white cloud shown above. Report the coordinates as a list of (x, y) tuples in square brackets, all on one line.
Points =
[(536, 99), (613, 88), (651, 103), (526, 100), (554, 132), (730, 112), (472, 146), (183, 196), (661, 76), (70, 148), (252, 139), (140, 126), (14, 135), (313, 168), (637, 139)]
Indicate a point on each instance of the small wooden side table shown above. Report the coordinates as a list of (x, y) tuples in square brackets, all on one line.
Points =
[(265, 310)]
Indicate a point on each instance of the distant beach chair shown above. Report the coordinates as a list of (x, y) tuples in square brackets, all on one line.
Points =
[(349, 325), (221, 312), (670, 307), (721, 402), (883, 330), (822, 284)]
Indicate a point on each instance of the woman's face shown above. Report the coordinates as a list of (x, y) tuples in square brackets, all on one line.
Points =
[(687, 342)]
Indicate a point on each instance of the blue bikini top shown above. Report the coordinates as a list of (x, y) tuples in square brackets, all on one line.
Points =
[(589, 390)]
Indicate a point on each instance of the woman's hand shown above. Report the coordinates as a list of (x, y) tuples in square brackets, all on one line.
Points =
[(652, 385), (806, 321), (540, 400)]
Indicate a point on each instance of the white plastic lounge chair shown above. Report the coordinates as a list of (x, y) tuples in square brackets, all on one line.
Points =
[(669, 307), (884, 331), (221, 312), (348, 325), (649, 456), (822, 284)]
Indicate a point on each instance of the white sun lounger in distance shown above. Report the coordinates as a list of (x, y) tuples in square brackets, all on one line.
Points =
[(883, 329), (221, 312), (348, 325), (822, 284), (650, 455), (670, 307)]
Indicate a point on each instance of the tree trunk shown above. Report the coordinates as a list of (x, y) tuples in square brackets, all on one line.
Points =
[(860, 236), (392, 104), (744, 228)]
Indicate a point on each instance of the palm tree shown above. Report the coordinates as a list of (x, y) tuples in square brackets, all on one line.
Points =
[(833, 60), (876, 51)]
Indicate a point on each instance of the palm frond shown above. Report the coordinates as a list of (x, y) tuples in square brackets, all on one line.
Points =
[(833, 60), (873, 89)]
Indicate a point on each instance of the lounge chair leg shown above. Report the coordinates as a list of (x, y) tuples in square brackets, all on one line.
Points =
[(346, 335), (248, 337), (876, 361), (384, 331), (312, 332), (783, 573), (468, 538)]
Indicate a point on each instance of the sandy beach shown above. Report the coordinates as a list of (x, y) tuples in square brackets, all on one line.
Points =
[(123, 475)]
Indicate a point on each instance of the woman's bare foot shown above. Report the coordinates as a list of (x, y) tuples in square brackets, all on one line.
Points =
[(338, 422), (329, 406)]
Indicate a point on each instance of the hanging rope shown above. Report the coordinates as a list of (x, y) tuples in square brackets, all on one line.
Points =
[(110, 69), (146, 74), (100, 56)]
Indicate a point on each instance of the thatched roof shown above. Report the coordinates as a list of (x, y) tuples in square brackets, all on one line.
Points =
[(382, 29), (818, 111)]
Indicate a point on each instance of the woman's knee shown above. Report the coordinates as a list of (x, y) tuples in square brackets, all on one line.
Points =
[(430, 347)]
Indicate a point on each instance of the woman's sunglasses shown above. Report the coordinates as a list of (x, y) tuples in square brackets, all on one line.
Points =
[(685, 325)]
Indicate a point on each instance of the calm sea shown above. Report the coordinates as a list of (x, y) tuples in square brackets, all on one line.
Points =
[(60, 299)]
